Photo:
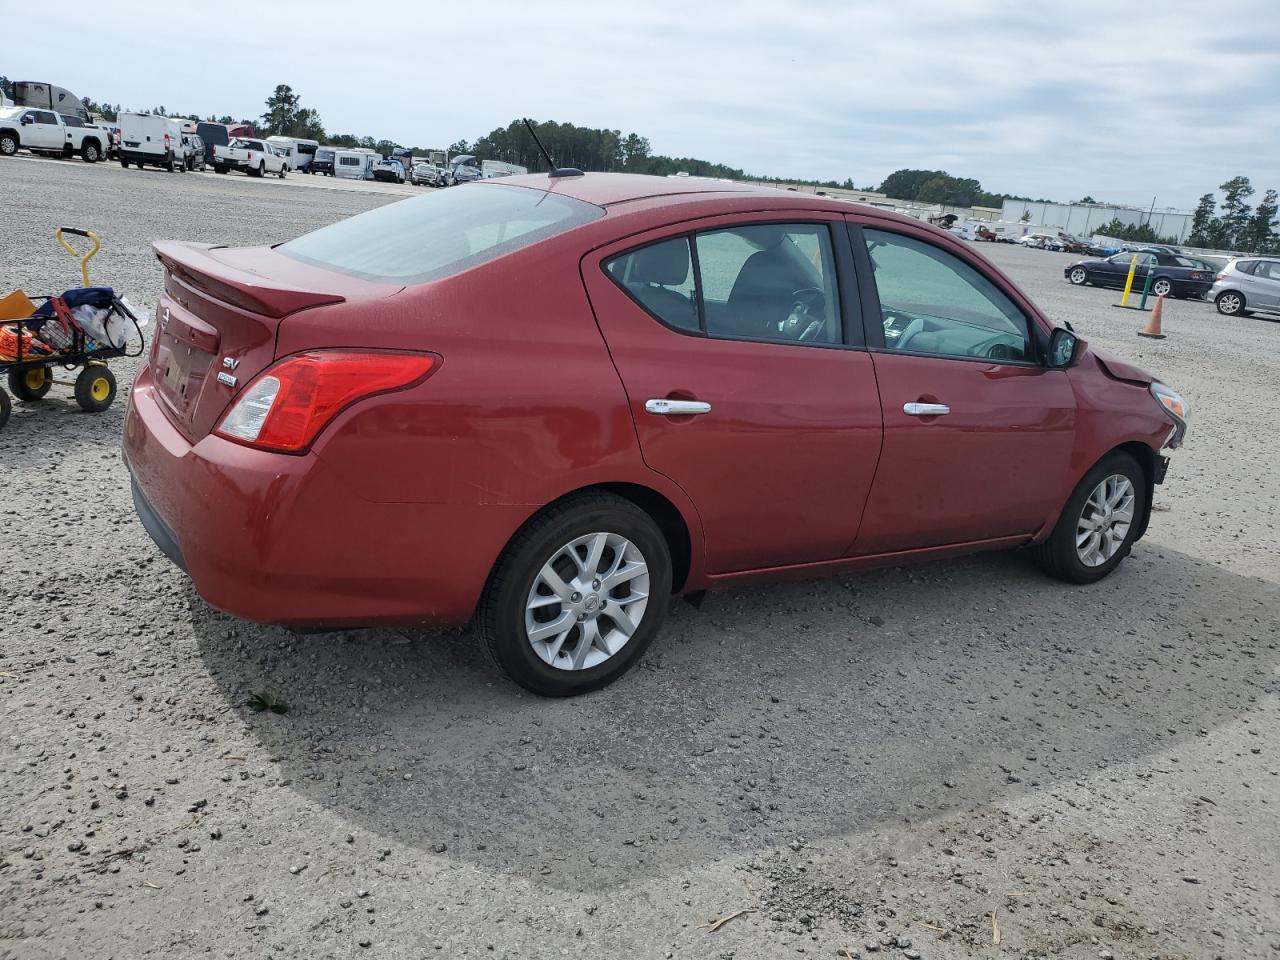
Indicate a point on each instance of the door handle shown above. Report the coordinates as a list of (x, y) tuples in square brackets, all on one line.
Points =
[(925, 409), (676, 408)]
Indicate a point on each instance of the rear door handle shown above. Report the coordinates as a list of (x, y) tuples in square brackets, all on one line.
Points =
[(676, 408), (925, 409)]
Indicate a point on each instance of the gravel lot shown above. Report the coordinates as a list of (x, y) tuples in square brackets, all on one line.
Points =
[(899, 764)]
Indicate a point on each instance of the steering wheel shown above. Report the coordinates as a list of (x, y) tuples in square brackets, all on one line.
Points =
[(801, 322), (909, 334)]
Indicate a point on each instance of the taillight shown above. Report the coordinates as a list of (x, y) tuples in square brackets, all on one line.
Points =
[(1221, 276), (287, 406)]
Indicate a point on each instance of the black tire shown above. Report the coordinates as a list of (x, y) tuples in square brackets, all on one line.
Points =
[(95, 388), (1231, 303), (1058, 556), (90, 153), (283, 171), (500, 620), (124, 163), (1078, 276), (5, 408), (1165, 285), (8, 144), (220, 169), (168, 161), (31, 384)]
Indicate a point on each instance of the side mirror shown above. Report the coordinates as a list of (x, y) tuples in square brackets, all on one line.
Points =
[(28, 118), (1064, 348)]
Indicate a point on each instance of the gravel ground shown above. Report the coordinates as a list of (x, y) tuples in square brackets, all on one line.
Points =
[(913, 763)]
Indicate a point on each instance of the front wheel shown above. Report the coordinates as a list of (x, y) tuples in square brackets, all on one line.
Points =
[(283, 171), (1162, 287), (1078, 275), (577, 596), (1099, 524)]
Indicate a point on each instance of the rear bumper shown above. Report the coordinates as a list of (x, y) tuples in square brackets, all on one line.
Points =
[(284, 539)]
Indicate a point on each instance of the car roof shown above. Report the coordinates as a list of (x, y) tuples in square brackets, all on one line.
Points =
[(614, 190)]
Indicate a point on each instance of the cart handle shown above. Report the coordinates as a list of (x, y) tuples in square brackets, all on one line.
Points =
[(85, 257)]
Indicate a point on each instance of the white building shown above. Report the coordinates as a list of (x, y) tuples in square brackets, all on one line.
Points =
[(1086, 219)]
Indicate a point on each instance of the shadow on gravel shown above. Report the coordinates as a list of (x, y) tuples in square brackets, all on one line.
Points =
[(800, 710)]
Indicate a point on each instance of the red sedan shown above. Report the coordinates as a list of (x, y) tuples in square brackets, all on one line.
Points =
[(549, 404)]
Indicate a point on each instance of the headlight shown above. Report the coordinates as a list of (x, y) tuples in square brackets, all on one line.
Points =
[(1177, 409)]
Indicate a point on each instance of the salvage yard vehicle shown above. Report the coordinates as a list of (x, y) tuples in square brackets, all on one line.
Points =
[(297, 151), (1176, 275), (390, 170), (322, 162), (546, 404), (254, 157), (39, 131), (86, 139), (427, 174), (147, 138), (354, 164), (1247, 284)]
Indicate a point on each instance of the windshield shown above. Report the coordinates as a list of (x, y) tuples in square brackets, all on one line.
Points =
[(439, 234)]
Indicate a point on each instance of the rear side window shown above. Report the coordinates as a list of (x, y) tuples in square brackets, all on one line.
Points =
[(440, 234), (1247, 266), (773, 282)]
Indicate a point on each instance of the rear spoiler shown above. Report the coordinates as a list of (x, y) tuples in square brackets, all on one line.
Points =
[(193, 265)]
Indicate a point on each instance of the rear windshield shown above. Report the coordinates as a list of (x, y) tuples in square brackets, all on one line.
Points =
[(441, 233)]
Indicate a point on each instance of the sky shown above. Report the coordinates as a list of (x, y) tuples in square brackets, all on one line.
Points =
[(1126, 102)]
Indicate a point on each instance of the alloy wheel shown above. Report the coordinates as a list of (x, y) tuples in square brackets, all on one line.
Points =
[(1162, 288), (1079, 275), (587, 601), (1105, 520), (1229, 303)]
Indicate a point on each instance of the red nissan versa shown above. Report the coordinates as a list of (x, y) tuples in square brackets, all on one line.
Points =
[(551, 403)]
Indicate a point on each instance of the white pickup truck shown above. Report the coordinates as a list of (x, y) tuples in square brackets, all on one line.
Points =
[(254, 157), (43, 131)]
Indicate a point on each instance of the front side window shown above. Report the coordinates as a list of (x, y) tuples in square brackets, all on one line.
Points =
[(932, 302), (441, 233), (771, 282)]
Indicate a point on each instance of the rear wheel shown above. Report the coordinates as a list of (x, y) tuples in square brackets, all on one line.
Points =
[(95, 388), (1078, 275), (1099, 524), (89, 153), (8, 144), (30, 384), (1230, 303), (5, 408), (577, 596), (1162, 287), (168, 162)]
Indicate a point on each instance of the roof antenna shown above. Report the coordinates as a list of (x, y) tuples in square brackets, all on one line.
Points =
[(555, 171)]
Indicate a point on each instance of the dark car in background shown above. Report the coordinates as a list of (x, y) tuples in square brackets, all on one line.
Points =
[(211, 135), (1173, 274), (322, 162)]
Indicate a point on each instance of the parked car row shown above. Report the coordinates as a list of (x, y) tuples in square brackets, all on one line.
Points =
[(1172, 274), (48, 133)]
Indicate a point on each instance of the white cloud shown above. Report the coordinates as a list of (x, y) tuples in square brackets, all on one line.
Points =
[(1046, 99)]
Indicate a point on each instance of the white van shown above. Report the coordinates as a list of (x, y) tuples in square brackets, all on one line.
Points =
[(148, 138), (354, 164), (299, 151)]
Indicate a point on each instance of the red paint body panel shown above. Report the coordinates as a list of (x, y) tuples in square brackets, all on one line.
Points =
[(990, 468), (405, 501)]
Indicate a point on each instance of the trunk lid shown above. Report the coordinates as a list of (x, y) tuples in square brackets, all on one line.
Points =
[(220, 313)]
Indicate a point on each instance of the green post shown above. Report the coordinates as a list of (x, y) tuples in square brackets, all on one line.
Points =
[(1146, 287)]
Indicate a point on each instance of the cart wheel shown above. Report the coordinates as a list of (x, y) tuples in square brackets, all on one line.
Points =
[(30, 384), (95, 388), (5, 407)]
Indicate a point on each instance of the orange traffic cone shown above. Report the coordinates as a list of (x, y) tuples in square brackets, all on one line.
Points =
[(1152, 329)]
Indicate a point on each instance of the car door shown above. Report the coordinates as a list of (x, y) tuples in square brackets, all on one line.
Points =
[(1266, 285), (742, 386), (977, 432), (44, 132)]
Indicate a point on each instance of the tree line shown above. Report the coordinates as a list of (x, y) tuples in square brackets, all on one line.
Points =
[(1234, 224)]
